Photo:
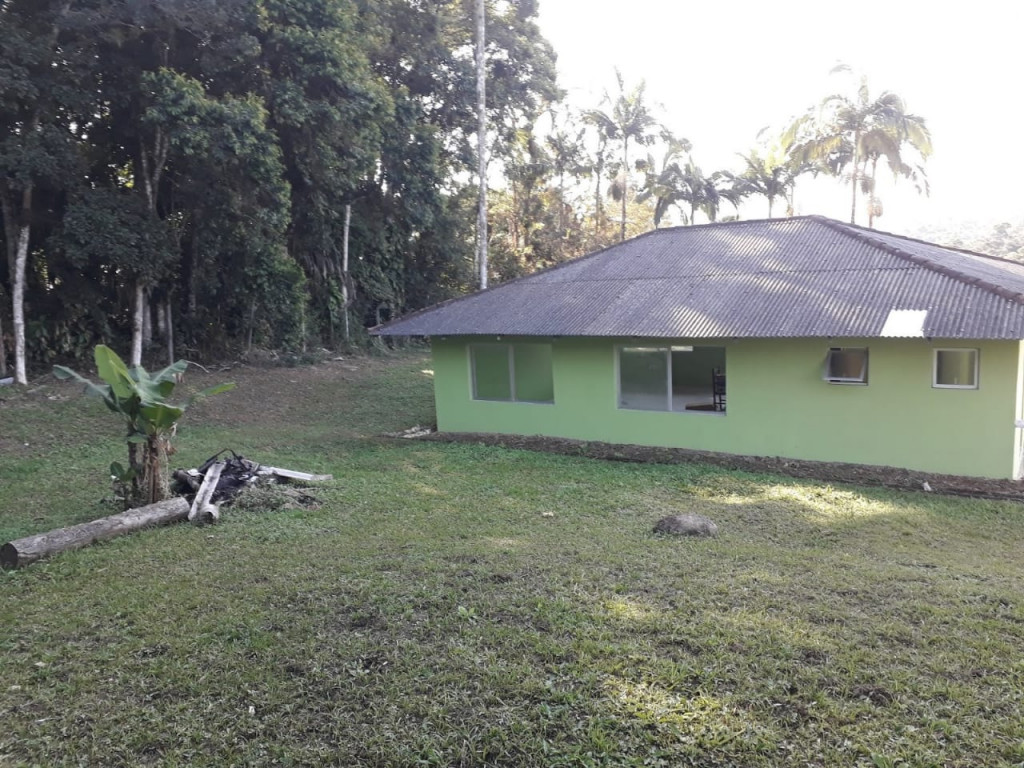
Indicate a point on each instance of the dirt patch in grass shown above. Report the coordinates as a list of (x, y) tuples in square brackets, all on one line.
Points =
[(831, 472), (268, 394)]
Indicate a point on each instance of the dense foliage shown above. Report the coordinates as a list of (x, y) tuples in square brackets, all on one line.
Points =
[(183, 171), (200, 154)]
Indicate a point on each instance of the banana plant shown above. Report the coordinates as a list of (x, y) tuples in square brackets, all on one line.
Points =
[(141, 399)]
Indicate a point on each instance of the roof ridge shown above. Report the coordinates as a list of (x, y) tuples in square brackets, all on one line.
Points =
[(852, 230), (921, 241)]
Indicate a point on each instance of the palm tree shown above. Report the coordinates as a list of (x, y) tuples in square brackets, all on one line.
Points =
[(661, 183), (844, 132), (721, 186), (676, 183), (629, 119), (769, 176)]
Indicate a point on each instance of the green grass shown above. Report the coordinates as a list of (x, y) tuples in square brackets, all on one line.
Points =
[(430, 614)]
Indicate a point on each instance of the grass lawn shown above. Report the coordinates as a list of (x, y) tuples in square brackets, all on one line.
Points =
[(429, 613)]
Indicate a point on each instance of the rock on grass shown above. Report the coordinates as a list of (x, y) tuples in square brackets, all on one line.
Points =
[(686, 525)]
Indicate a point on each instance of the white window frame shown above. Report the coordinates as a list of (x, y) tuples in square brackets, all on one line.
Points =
[(935, 368), (861, 380)]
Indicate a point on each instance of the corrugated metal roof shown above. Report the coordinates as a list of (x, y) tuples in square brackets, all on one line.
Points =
[(799, 277)]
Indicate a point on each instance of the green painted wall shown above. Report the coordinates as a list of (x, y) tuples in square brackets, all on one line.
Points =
[(778, 404)]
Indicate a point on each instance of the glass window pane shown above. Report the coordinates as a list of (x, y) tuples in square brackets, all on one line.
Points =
[(491, 380), (693, 370), (847, 364), (643, 378), (956, 368), (534, 382)]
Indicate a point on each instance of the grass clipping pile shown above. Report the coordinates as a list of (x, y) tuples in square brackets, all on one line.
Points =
[(201, 493)]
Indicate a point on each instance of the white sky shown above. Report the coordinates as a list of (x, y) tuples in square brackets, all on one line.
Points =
[(722, 71)]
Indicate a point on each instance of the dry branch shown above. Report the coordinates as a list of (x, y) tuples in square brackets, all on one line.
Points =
[(291, 474)]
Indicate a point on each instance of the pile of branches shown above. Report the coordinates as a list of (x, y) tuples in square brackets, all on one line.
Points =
[(219, 481)]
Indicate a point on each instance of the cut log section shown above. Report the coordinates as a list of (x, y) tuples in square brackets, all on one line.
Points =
[(202, 510), (21, 552)]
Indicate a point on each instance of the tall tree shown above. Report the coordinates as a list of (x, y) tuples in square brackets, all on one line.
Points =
[(626, 118), (845, 133), (34, 134), (330, 111), (568, 157), (154, 95), (481, 139)]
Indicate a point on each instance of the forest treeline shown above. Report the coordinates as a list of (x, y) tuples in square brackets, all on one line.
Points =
[(185, 171), (201, 154)]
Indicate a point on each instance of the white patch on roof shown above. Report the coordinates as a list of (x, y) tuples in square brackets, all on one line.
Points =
[(904, 323)]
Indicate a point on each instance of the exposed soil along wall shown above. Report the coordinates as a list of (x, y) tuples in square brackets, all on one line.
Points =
[(857, 474)]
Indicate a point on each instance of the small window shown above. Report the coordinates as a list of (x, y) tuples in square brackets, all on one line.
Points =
[(955, 369), (512, 372), (847, 365)]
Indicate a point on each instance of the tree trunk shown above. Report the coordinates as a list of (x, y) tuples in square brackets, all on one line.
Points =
[(344, 272), (21, 552), (481, 147), (161, 319), (138, 315), (771, 200), (147, 320), (24, 229), (856, 168), (871, 202), (148, 459), (11, 243), (625, 185), (18, 289), (169, 325), (252, 324), (561, 204), (193, 266), (151, 167), (3, 344)]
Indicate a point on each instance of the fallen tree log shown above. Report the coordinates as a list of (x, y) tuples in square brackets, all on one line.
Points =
[(202, 510), (21, 552)]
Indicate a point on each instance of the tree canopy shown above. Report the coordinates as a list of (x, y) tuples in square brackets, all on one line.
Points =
[(192, 172), (181, 167)]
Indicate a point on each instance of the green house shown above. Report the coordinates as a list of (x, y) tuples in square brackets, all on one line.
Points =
[(802, 338)]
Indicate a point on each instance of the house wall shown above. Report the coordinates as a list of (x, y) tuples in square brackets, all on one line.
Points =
[(777, 405)]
